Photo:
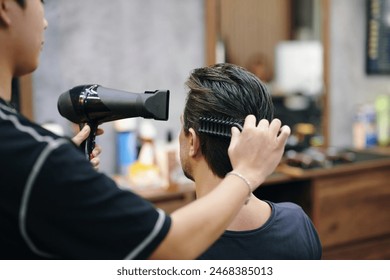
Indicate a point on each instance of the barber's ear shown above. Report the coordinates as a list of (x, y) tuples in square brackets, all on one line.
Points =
[(194, 143), (5, 18)]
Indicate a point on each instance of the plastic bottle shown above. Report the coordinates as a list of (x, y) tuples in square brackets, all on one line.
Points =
[(382, 107), (144, 172), (126, 138), (364, 127)]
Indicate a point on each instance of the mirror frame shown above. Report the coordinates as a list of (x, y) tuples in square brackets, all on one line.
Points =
[(211, 33)]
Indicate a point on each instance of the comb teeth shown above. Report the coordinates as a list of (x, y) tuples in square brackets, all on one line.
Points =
[(218, 126)]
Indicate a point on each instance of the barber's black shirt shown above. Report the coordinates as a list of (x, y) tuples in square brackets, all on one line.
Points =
[(54, 205)]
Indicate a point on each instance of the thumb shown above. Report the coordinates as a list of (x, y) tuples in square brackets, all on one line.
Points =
[(235, 135), (82, 135)]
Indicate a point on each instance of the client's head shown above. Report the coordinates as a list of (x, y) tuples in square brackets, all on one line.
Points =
[(223, 91)]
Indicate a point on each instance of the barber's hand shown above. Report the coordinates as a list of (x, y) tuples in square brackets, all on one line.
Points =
[(257, 150), (95, 160), (81, 136)]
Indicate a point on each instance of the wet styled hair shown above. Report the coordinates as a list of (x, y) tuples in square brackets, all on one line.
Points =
[(223, 91)]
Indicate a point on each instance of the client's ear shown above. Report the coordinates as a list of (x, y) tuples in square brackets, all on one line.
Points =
[(194, 143)]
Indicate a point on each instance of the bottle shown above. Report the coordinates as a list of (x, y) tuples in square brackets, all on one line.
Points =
[(144, 172), (382, 107), (370, 126), (172, 152), (364, 127), (126, 138)]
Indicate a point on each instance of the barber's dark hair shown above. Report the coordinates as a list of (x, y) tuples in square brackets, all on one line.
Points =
[(223, 91), (21, 2)]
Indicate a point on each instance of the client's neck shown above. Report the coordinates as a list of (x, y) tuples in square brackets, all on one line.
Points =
[(251, 216), (205, 180)]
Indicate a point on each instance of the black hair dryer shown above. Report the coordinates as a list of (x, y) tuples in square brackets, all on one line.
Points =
[(94, 105)]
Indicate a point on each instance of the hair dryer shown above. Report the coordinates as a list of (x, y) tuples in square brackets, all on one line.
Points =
[(94, 105)]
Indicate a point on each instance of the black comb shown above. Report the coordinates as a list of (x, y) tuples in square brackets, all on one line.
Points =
[(218, 126)]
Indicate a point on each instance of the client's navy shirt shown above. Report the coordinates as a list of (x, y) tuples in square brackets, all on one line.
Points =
[(287, 235)]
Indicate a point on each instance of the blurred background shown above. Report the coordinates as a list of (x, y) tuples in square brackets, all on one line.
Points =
[(141, 45), (326, 63), (132, 45)]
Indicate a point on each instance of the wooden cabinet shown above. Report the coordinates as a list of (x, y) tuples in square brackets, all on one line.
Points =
[(352, 213), (351, 207), (348, 204)]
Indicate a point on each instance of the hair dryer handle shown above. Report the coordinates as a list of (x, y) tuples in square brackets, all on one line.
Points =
[(88, 144)]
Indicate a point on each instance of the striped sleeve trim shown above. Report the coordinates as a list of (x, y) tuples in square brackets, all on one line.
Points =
[(27, 192), (152, 235), (52, 144)]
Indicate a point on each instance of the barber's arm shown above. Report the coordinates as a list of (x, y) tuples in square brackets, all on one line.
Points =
[(254, 154)]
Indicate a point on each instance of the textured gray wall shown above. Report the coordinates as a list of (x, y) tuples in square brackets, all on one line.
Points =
[(349, 84), (133, 45)]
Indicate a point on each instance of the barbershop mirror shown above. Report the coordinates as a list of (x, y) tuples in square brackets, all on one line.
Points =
[(283, 42)]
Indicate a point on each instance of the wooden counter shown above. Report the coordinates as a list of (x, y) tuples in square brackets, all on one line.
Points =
[(168, 199)]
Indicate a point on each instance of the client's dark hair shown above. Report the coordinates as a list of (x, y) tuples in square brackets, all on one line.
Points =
[(223, 91)]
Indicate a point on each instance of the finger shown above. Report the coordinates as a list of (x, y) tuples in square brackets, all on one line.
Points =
[(284, 134), (274, 126), (96, 151), (99, 131), (250, 121), (95, 162), (82, 135), (264, 124)]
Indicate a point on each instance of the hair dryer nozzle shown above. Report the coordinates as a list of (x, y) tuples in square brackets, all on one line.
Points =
[(157, 105)]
